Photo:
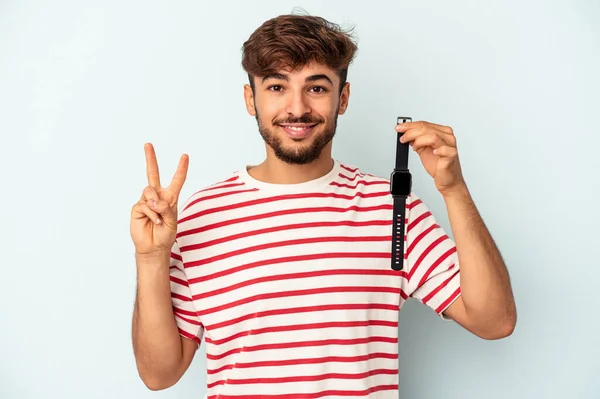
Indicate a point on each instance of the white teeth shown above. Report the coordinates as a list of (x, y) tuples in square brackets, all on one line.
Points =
[(297, 128)]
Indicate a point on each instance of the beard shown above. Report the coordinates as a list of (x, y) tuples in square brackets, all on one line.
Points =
[(298, 154)]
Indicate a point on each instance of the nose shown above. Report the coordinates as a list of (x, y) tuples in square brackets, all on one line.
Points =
[(298, 105)]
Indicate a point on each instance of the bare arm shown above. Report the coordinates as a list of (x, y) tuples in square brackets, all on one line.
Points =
[(486, 306), (162, 355)]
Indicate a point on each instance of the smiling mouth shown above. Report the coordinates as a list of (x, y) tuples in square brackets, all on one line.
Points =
[(298, 130)]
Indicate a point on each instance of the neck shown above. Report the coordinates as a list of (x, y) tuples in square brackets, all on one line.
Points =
[(275, 171)]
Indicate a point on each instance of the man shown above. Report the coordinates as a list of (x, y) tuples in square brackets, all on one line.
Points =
[(284, 268)]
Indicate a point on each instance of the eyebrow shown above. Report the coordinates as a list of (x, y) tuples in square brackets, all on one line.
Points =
[(277, 76), (312, 78)]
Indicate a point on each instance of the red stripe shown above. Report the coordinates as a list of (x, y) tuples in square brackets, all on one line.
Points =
[(360, 182), (320, 377), (292, 276), (173, 267), (343, 176), (185, 312), (424, 254), (274, 229), (300, 327), (417, 220), (435, 264), (303, 344), (311, 395), (191, 321), (414, 203), (277, 244), (176, 257), (180, 297), (285, 197), (427, 297), (222, 182), (314, 360), (179, 281), (305, 309), (283, 213), (351, 170), (444, 304), (284, 294), (188, 335), (418, 238), (285, 259), (219, 185), (220, 195)]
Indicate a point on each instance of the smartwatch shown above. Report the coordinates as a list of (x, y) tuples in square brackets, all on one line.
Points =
[(400, 188)]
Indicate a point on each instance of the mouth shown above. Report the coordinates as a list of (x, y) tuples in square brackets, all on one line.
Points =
[(298, 130)]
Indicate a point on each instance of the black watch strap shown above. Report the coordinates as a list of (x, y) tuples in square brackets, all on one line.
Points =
[(401, 154), (398, 233), (399, 218)]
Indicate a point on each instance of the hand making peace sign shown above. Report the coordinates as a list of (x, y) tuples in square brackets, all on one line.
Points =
[(154, 217)]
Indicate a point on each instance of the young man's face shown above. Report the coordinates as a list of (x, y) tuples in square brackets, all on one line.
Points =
[(297, 110)]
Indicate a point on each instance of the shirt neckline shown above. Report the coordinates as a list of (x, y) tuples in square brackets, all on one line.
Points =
[(312, 185)]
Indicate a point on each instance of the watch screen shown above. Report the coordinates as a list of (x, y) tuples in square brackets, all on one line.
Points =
[(401, 183)]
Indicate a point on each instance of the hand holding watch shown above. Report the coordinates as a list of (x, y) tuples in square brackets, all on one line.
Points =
[(400, 188)]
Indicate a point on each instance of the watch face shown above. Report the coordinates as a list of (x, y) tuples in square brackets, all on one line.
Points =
[(400, 183)]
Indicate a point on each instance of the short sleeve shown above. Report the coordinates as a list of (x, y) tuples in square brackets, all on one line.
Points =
[(433, 272), (188, 323)]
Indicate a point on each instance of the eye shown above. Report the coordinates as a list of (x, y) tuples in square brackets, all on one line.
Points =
[(318, 89), (275, 88)]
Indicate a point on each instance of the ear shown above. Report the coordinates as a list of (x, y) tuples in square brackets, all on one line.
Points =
[(249, 99), (344, 98)]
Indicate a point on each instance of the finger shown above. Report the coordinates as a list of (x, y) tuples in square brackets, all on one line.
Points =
[(403, 127), (161, 207), (180, 175), (149, 194), (446, 151), (151, 166), (412, 130), (165, 212), (412, 134), (421, 135), (443, 128), (141, 211), (428, 140)]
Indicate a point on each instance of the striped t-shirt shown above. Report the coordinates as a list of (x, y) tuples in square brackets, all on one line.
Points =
[(291, 285)]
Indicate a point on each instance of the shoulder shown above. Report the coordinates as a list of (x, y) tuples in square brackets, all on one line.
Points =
[(353, 173), (213, 193), (363, 178)]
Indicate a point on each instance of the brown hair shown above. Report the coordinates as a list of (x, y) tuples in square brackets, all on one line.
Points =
[(293, 41)]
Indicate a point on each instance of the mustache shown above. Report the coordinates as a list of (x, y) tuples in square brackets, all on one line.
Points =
[(303, 119)]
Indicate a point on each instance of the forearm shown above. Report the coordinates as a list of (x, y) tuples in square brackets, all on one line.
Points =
[(484, 280), (156, 340)]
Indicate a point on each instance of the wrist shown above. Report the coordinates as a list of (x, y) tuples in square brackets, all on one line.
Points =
[(159, 259), (460, 193)]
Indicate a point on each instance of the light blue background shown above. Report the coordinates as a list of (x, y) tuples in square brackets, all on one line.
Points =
[(84, 84)]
